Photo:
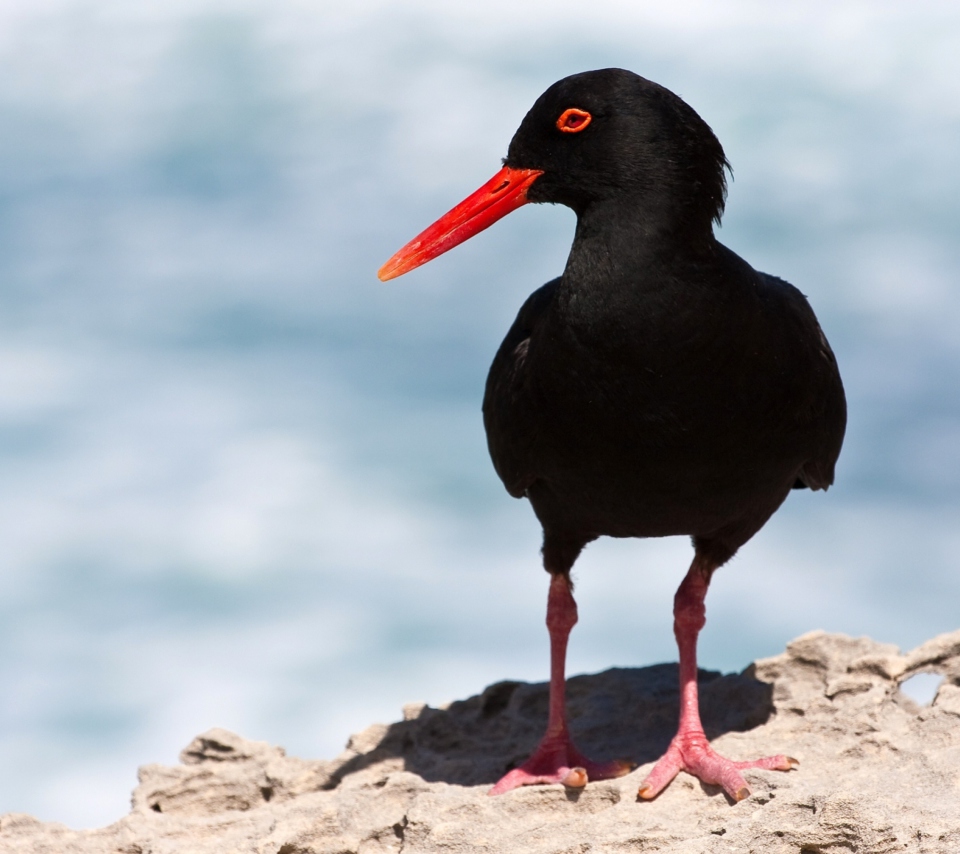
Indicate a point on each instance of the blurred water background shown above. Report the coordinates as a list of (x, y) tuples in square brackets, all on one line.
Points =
[(245, 484)]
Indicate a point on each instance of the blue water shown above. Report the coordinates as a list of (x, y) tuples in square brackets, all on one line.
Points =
[(245, 484)]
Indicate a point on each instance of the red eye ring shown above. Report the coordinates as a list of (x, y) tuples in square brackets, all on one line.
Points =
[(573, 120)]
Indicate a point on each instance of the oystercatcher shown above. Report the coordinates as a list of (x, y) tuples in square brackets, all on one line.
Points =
[(659, 386)]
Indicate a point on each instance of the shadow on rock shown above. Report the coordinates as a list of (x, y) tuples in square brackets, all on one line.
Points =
[(618, 714)]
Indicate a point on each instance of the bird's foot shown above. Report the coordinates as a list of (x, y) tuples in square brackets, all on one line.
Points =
[(556, 760), (690, 752)]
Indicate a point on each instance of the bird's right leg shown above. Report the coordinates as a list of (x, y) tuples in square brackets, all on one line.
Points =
[(556, 759)]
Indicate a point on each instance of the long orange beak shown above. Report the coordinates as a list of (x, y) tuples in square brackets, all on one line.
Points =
[(504, 192)]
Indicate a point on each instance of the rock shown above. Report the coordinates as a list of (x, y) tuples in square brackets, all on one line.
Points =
[(222, 772), (878, 773)]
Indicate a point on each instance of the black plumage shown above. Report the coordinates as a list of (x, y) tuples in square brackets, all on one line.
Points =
[(660, 385)]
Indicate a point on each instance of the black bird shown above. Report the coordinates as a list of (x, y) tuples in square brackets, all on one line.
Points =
[(660, 386)]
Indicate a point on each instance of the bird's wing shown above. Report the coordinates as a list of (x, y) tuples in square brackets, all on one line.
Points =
[(824, 407), (507, 416)]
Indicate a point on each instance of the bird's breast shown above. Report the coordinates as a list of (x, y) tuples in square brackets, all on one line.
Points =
[(650, 410)]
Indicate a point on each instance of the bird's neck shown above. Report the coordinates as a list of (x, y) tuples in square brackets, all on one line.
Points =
[(620, 248)]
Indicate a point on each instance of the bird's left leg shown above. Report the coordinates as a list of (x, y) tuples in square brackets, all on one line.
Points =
[(689, 751), (556, 759)]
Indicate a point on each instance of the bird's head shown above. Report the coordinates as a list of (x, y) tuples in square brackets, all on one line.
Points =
[(607, 137), (611, 135)]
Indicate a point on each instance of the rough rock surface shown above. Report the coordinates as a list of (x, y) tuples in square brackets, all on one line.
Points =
[(877, 774)]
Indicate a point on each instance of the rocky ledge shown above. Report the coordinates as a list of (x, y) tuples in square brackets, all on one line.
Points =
[(878, 773)]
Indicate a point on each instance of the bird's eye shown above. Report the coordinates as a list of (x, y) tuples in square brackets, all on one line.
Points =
[(573, 120)]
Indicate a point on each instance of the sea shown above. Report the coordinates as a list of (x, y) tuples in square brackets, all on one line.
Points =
[(245, 484)]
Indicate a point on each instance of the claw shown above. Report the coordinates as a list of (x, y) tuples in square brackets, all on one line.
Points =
[(556, 760)]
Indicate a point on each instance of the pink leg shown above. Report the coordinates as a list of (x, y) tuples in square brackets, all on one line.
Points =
[(689, 750), (556, 759)]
